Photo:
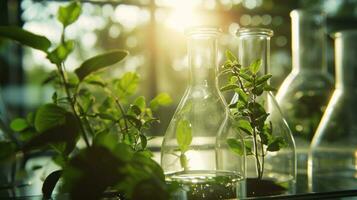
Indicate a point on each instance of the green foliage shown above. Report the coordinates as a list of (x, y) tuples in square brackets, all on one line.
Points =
[(48, 116), (100, 62), (25, 38), (184, 139), (235, 146), (184, 135), (69, 14), (162, 99), (250, 115), (98, 112), (18, 124), (58, 55)]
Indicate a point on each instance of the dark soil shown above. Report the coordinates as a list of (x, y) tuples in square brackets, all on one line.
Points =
[(257, 187)]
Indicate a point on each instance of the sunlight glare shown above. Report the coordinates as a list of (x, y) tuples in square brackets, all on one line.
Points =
[(183, 15)]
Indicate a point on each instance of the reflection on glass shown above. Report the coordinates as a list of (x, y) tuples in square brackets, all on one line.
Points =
[(332, 162), (188, 153), (304, 94)]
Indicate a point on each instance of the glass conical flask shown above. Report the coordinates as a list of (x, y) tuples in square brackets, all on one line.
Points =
[(333, 156), (305, 92), (270, 170), (188, 153)]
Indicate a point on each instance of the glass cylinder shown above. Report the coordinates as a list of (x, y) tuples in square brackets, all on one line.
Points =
[(333, 155), (270, 171), (189, 149), (305, 92)]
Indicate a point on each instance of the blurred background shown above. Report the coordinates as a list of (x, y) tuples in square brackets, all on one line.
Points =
[(153, 32)]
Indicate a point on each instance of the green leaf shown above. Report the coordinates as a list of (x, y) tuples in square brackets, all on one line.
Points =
[(30, 118), (136, 122), (66, 132), (184, 135), (183, 161), (95, 80), (25, 37), (269, 88), (50, 183), (100, 62), (69, 14), (18, 124), (242, 96), (230, 56), (233, 79), (106, 139), (229, 87), (227, 65), (256, 109), (248, 148), (106, 116), (143, 141), (60, 54), (245, 126), (235, 146), (258, 90), (276, 144), (255, 66), (245, 76), (48, 116), (135, 109), (163, 99), (263, 79), (128, 84), (140, 103)]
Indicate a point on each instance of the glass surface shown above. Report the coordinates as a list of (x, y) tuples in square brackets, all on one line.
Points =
[(304, 94), (334, 146), (279, 167), (190, 147)]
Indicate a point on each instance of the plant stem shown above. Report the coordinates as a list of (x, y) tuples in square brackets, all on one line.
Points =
[(72, 103), (259, 166), (262, 148)]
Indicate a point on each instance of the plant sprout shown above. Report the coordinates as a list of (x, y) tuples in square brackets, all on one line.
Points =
[(250, 116)]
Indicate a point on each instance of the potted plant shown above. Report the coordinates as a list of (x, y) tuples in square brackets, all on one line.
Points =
[(95, 127)]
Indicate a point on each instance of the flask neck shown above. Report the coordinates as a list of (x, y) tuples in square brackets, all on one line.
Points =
[(254, 44), (202, 56), (345, 59), (308, 41)]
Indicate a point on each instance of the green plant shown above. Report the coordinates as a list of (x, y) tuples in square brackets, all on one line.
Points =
[(103, 114), (184, 139), (248, 111)]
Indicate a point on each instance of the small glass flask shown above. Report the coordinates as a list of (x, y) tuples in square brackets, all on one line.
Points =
[(189, 148), (305, 92), (332, 161), (270, 170)]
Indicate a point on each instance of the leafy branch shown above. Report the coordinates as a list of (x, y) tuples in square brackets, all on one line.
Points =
[(99, 112), (248, 111)]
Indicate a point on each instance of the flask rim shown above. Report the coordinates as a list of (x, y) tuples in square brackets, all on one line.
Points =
[(309, 13), (343, 33), (203, 30), (254, 32)]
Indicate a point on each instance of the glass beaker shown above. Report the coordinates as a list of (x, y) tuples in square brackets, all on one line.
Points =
[(188, 153), (270, 171), (305, 92), (332, 161)]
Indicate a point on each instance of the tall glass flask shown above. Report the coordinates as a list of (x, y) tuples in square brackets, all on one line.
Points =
[(277, 166), (189, 149), (333, 158), (304, 94)]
